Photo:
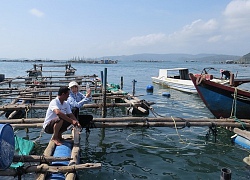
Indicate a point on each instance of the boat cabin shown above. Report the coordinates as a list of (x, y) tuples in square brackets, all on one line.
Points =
[(176, 73)]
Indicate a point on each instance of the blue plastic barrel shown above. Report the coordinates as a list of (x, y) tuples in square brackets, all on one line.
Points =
[(167, 94), (150, 89), (56, 176), (7, 146), (63, 150), (242, 141)]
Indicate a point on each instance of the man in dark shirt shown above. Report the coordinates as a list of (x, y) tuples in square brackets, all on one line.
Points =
[(226, 73)]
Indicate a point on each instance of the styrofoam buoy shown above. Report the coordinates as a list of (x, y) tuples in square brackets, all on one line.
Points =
[(167, 94), (7, 146)]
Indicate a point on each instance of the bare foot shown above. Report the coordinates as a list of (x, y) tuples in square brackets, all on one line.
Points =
[(57, 142)]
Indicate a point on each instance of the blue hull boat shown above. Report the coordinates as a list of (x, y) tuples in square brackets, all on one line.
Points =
[(223, 101)]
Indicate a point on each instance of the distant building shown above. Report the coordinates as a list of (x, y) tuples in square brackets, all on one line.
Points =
[(229, 61)]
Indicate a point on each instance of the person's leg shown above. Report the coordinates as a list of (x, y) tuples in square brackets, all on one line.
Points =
[(75, 111), (57, 135)]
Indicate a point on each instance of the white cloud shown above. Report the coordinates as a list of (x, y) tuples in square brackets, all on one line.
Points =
[(149, 39), (36, 12), (237, 8), (237, 14), (197, 36), (197, 29), (215, 38)]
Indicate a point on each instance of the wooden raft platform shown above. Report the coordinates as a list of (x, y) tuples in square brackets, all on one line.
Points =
[(39, 92), (45, 168)]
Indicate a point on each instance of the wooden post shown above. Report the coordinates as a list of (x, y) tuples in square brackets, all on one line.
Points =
[(121, 82), (104, 108), (231, 80), (133, 91), (50, 96), (76, 135), (95, 88), (102, 77)]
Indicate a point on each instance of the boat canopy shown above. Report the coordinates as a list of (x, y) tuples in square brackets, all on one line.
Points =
[(178, 73)]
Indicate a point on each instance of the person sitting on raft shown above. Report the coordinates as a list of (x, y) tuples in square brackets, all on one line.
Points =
[(76, 99), (59, 116)]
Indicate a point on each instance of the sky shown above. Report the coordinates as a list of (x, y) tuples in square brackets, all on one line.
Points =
[(63, 29)]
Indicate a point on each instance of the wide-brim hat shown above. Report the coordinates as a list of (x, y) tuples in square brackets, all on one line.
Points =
[(73, 83)]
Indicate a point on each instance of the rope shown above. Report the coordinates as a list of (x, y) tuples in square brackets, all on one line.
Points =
[(154, 113), (37, 139), (233, 110), (26, 111), (198, 80), (241, 122), (177, 131), (234, 104)]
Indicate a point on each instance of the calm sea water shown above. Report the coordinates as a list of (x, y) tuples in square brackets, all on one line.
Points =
[(152, 153)]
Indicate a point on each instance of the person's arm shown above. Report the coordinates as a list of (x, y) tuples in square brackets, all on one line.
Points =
[(63, 116), (73, 103), (75, 121), (85, 99), (70, 117)]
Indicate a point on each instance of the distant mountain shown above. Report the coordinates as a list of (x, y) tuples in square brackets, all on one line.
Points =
[(176, 57), (245, 59)]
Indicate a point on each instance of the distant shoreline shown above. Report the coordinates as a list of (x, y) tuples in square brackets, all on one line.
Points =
[(64, 61)]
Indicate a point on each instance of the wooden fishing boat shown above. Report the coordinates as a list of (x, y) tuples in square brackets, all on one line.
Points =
[(178, 78), (223, 100)]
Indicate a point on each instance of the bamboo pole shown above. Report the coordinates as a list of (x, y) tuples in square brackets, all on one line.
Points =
[(104, 91), (45, 106), (47, 98), (47, 152), (150, 124), (75, 156), (169, 124), (13, 113), (44, 168), (12, 102), (36, 125), (128, 119), (36, 158)]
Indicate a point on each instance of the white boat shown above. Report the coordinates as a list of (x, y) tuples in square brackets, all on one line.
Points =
[(178, 78)]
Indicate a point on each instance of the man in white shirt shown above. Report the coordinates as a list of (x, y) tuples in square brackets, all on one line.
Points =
[(59, 116)]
